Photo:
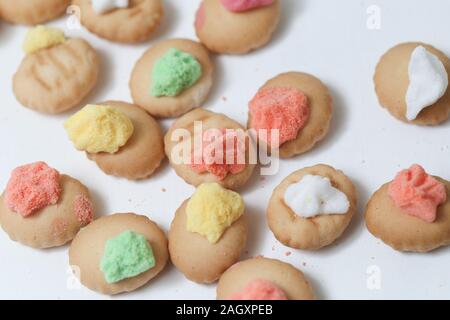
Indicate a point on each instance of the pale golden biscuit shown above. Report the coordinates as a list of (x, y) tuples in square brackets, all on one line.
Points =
[(198, 259), (128, 25), (86, 251), (392, 80), (143, 152), (32, 12), (309, 233), (402, 231), (284, 275), (321, 111), (55, 79), (223, 31), (52, 226), (190, 98), (209, 120)]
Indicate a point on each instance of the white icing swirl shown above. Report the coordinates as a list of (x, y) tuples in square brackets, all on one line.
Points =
[(428, 81), (313, 196)]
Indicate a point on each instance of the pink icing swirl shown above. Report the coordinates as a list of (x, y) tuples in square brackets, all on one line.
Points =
[(245, 5), (417, 193), (200, 17), (260, 290), (32, 187), (82, 207), (229, 144), (283, 109)]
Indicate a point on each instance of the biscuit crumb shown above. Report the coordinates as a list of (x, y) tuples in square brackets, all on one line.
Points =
[(224, 99), (288, 253), (163, 189)]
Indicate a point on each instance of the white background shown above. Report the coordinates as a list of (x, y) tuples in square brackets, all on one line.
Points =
[(327, 38)]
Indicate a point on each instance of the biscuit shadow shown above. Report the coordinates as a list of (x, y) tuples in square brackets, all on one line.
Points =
[(338, 122), (7, 32), (98, 204), (52, 250), (217, 89), (356, 226), (256, 227), (319, 291), (169, 22), (104, 77), (445, 124), (290, 10)]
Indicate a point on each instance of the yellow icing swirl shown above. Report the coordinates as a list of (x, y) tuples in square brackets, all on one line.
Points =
[(212, 209), (97, 128), (42, 37)]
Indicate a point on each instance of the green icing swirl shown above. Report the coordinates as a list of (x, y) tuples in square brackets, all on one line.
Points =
[(126, 255), (173, 73)]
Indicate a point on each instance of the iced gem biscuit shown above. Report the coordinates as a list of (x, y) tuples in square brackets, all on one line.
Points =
[(411, 82), (236, 27), (118, 253), (32, 12), (197, 148), (125, 21), (121, 138), (57, 73), (172, 77), (412, 212), (208, 233), (263, 279), (285, 110), (417, 193), (312, 207), (295, 109), (41, 208)]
